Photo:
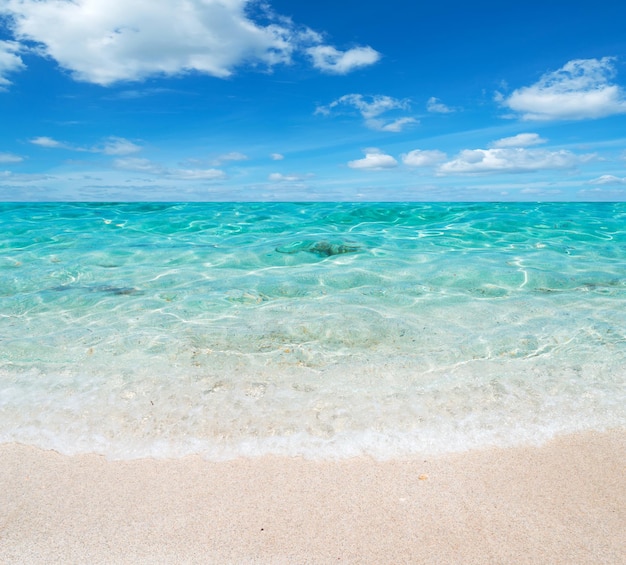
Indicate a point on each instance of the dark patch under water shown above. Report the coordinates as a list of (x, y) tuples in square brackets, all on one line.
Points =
[(320, 248), (116, 290)]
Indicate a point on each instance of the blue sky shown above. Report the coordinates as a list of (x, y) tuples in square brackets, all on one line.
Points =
[(294, 100)]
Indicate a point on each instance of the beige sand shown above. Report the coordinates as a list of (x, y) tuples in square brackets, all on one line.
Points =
[(561, 503)]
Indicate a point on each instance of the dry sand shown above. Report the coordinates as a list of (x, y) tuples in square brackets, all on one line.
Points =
[(561, 503)]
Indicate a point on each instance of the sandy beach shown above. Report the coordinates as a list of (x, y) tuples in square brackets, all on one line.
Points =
[(564, 502)]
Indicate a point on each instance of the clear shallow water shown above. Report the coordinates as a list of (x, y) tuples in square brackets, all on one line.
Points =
[(323, 330)]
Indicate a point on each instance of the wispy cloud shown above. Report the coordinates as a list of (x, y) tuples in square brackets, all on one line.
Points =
[(110, 146), (436, 106), (581, 89), (608, 179), (10, 158), (277, 156), (519, 140), (374, 160), (117, 146), (226, 157), (141, 165), (279, 177), (44, 141), (371, 109), (10, 61), (131, 41)]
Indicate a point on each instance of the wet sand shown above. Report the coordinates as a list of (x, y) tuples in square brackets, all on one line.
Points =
[(564, 502)]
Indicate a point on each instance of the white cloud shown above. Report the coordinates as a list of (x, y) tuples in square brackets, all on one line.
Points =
[(10, 158), (111, 146), (581, 89), (277, 156), (47, 142), (608, 179), (138, 164), (394, 126), (509, 160), (374, 160), (371, 107), (519, 140), (377, 105), (196, 174), (419, 158), (278, 177), (331, 60), (435, 105), (130, 41), (141, 165), (10, 61), (118, 146), (232, 156)]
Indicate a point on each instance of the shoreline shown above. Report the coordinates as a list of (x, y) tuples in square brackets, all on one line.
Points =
[(563, 502)]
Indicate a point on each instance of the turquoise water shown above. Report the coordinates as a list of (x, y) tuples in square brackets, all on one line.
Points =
[(322, 330)]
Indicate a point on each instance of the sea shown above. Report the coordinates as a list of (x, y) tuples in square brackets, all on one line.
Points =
[(317, 330)]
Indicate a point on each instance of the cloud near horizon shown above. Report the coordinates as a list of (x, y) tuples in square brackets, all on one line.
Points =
[(509, 160), (141, 165), (581, 89), (508, 155), (608, 179), (374, 160), (122, 41)]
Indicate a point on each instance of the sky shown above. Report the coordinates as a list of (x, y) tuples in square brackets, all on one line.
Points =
[(277, 100)]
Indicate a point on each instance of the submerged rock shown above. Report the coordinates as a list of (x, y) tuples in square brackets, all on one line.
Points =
[(117, 290), (321, 248)]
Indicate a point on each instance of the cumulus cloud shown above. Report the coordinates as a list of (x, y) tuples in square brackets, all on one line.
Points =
[(371, 108), (509, 160), (10, 158), (436, 106), (277, 157), (419, 158), (131, 41), (608, 179), (581, 89), (10, 61), (331, 60), (374, 160), (519, 140)]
